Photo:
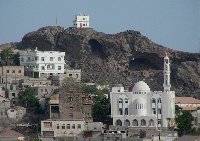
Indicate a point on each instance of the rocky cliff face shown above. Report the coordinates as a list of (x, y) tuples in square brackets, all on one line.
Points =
[(125, 57)]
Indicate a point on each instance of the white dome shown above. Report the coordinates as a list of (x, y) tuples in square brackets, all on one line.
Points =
[(141, 86)]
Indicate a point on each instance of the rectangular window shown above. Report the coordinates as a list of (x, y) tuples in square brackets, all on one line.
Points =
[(19, 71), (63, 126), (13, 94), (51, 58), (70, 75), (22, 59), (42, 58), (58, 127), (120, 111), (159, 111), (36, 58), (59, 58), (42, 67), (154, 111), (41, 90), (7, 71), (73, 126), (68, 126), (79, 126), (71, 115), (126, 111), (59, 67), (13, 71)]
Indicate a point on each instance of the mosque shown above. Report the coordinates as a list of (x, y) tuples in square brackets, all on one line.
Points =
[(142, 107)]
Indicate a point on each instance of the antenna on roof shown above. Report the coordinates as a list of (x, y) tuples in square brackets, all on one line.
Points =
[(56, 20)]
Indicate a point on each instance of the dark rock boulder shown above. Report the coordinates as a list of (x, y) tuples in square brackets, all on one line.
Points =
[(125, 57)]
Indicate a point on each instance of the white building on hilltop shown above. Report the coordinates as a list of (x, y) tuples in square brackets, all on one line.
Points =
[(81, 21), (42, 63), (142, 107)]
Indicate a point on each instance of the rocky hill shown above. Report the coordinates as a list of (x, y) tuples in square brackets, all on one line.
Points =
[(125, 57)]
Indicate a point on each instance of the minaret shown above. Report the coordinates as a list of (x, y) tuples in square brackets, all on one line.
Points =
[(166, 73)]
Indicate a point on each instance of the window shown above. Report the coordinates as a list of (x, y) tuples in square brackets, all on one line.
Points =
[(42, 67), (19, 71), (73, 126), (71, 108), (159, 121), (126, 100), (7, 71), (120, 111), (159, 100), (45, 90), (79, 126), (154, 111), (70, 75), (83, 18), (118, 90), (126, 111), (63, 126), (76, 75), (159, 111), (59, 67), (68, 126), (36, 58), (58, 127), (51, 58), (13, 71), (41, 90), (83, 24), (22, 59), (42, 58), (12, 110), (70, 98), (71, 115), (59, 58), (13, 94), (29, 59)]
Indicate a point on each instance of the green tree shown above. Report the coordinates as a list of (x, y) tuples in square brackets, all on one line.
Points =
[(184, 122), (101, 110), (16, 59), (7, 55), (28, 100), (89, 89), (178, 110)]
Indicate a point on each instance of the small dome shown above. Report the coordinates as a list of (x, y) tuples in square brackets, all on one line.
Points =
[(141, 86)]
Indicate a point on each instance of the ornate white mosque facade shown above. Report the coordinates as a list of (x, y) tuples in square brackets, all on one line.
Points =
[(142, 107)]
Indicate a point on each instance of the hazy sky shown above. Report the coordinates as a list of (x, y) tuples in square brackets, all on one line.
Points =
[(171, 23)]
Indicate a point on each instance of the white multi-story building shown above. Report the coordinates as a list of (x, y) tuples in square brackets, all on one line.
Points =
[(142, 107), (81, 21), (42, 63)]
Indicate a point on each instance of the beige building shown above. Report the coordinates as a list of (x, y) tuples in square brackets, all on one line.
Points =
[(59, 79), (187, 103), (59, 128), (4, 106)]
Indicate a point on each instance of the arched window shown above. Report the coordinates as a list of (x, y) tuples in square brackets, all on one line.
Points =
[(153, 100), (151, 122), (159, 100), (118, 122), (120, 105), (143, 122), (59, 58), (126, 122), (135, 122)]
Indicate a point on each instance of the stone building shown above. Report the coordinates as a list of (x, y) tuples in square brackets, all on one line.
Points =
[(60, 79), (69, 103), (4, 106), (11, 78), (142, 107)]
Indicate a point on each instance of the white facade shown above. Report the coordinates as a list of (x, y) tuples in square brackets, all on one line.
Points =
[(61, 128), (42, 62), (142, 107), (81, 21)]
